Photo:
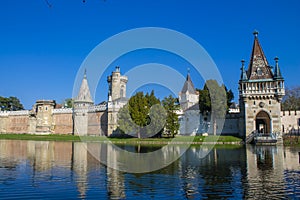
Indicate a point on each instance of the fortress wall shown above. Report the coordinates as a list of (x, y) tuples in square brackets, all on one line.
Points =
[(3, 123), (231, 124), (62, 123), (17, 124), (290, 121), (97, 123)]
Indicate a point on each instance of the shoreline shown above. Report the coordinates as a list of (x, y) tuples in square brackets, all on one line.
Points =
[(197, 140), (179, 140)]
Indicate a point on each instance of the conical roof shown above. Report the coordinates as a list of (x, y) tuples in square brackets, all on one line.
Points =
[(188, 85), (258, 66), (84, 94), (277, 73)]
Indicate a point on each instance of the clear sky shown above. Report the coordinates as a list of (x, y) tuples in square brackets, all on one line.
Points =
[(42, 48)]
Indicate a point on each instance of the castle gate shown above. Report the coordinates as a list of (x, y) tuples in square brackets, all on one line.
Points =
[(263, 122)]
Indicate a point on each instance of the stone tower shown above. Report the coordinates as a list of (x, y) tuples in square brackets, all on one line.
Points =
[(188, 96), (260, 93), (189, 120), (43, 110), (116, 98), (82, 103)]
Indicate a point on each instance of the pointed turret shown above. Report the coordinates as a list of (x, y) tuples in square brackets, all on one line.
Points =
[(84, 95), (243, 73), (188, 96), (277, 73), (258, 66), (188, 86)]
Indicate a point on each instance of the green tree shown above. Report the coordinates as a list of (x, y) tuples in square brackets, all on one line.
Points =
[(170, 104), (68, 103), (213, 99), (10, 103), (142, 115), (291, 100), (229, 96)]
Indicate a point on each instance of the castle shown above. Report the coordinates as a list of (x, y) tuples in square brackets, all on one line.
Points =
[(260, 93)]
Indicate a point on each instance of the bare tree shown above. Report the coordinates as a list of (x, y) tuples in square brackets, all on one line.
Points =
[(291, 100)]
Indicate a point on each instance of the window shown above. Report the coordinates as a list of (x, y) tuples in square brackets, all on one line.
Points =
[(259, 71), (270, 102)]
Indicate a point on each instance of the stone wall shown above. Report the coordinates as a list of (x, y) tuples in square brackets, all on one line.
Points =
[(60, 121), (97, 123), (63, 123), (14, 122), (290, 121), (231, 125)]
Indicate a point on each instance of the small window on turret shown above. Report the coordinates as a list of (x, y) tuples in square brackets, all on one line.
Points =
[(259, 71), (270, 102), (46, 108)]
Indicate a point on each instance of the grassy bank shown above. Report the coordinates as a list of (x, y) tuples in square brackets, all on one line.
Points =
[(180, 139), (291, 140)]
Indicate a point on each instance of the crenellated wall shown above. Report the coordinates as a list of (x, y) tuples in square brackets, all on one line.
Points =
[(14, 121), (62, 121), (290, 121), (43, 119)]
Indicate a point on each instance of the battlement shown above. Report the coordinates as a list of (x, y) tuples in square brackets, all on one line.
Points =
[(100, 108), (16, 113), (290, 113), (62, 110)]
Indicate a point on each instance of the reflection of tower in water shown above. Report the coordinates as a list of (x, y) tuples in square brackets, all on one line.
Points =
[(89, 156), (80, 166), (265, 167)]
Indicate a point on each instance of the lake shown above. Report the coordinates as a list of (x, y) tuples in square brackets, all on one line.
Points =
[(70, 170)]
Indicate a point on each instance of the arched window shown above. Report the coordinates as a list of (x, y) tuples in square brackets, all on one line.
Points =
[(259, 71)]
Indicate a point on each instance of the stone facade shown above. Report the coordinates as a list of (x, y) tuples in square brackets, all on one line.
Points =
[(116, 99), (290, 122), (260, 94)]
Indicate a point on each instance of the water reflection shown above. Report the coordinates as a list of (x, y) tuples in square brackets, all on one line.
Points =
[(67, 170)]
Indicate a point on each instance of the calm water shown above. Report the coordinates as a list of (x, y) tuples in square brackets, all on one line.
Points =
[(66, 170)]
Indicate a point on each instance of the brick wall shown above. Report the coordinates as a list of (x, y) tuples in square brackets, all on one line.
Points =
[(62, 123)]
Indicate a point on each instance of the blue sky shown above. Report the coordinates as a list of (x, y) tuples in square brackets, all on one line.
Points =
[(42, 48)]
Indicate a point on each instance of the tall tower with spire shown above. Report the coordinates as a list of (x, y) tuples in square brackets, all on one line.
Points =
[(189, 120), (82, 103), (188, 96), (260, 94)]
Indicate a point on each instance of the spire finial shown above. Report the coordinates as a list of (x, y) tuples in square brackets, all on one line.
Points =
[(277, 73), (84, 76), (243, 62), (255, 33), (243, 74)]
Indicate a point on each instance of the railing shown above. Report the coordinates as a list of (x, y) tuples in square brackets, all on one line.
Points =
[(251, 136)]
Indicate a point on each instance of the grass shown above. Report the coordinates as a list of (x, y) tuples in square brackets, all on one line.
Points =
[(291, 140), (197, 139), (40, 137)]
